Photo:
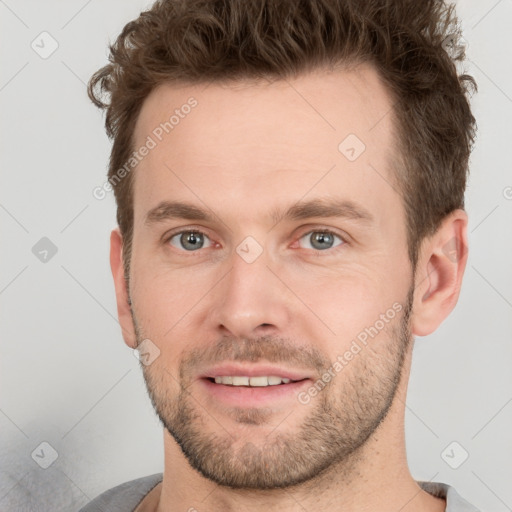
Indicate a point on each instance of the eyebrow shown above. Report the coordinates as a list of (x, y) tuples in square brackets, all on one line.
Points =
[(331, 207)]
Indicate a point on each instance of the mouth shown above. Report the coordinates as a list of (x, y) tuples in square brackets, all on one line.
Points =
[(252, 386), (252, 382)]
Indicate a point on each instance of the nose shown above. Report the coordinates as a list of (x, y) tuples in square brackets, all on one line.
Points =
[(250, 300)]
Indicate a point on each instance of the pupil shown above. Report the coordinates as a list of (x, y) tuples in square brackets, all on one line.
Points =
[(322, 238), (191, 240)]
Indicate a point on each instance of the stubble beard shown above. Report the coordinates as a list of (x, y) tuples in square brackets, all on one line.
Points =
[(343, 416)]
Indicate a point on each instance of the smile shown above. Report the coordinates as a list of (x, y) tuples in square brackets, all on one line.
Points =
[(259, 381)]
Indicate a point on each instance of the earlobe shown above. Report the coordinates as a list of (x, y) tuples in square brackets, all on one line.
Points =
[(439, 273), (122, 296)]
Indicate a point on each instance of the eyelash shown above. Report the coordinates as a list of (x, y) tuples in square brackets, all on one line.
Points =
[(315, 230)]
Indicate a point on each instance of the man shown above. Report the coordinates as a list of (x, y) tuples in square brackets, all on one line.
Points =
[(290, 181)]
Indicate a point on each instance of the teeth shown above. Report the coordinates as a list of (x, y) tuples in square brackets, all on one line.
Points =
[(258, 381), (252, 381), (223, 380), (240, 381)]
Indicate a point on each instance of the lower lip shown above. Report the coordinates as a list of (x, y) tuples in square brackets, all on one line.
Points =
[(245, 396)]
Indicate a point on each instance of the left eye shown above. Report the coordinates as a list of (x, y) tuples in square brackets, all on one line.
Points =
[(189, 240), (320, 240)]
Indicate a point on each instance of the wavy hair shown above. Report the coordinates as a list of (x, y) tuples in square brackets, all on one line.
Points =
[(413, 44)]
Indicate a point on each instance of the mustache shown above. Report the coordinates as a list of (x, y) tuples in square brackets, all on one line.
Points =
[(264, 348)]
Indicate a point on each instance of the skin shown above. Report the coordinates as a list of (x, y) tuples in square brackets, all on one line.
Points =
[(245, 150)]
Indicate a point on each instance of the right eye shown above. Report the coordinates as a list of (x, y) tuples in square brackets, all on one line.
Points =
[(190, 240)]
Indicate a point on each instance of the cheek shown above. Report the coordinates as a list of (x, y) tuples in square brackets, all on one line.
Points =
[(351, 294), (358, 304), (162, 378), (165, 298)]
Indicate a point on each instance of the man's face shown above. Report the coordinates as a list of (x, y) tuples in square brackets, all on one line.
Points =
[(254, 292)]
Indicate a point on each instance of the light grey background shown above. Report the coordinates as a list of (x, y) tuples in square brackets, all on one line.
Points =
[(66, 377)]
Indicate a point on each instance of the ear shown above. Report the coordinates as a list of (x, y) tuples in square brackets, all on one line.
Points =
[(439, 273), (123, 306)]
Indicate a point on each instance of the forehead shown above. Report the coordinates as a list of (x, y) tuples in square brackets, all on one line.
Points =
[(256, 142)]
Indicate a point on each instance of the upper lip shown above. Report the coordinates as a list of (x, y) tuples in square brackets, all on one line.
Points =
[(253, 370)]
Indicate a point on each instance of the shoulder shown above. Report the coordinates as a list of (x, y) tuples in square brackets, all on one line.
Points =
[(454, 502), (124, 497)]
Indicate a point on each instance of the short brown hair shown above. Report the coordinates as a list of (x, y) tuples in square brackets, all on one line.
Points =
[(413, 44)]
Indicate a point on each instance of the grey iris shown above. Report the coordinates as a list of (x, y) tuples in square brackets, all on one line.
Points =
[(321, 238), (191, 240)]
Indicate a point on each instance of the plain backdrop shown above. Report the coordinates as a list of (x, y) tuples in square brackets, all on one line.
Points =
[(66, 378)]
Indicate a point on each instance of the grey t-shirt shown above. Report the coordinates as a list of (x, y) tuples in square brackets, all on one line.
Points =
[(126, 497)]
